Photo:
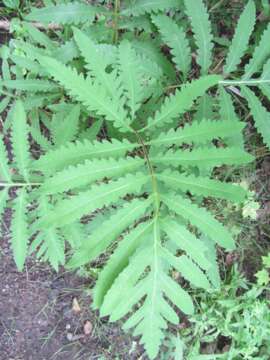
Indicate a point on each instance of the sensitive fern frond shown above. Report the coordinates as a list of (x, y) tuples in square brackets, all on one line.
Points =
[(241, 37), (174, 36), (201, 27)]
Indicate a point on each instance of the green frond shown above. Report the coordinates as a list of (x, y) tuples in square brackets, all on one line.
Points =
[(96, 63), (67, 52), (4, 167), (119, 260), (64, 128), (211, 254), (40, 139), (201, 27), (174, 36), (19, 229), (260, 55), (204, 157), (91, 133), (91, 94), (177, 104), (260, 115), (20, 145), (187, 268), (141, 7), (228, 115), (49, 243), (186, 241), (205, 108), (70, 13), (149, 69), (78, 152), (52, 248), (148, 49), (39, 37), (150, 319), (25, 63), (107, 232), (30, 85), (201, 186), (69, 210), (200, 218), (241, 37), (78, 176), (199, 133), (130, 72)]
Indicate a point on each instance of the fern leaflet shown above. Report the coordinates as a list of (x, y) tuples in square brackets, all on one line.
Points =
[(241, 37), (197, 13), (175, 37), (70, 13)]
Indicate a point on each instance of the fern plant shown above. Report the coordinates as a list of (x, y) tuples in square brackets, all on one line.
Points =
[(147, 186), (256, 71)]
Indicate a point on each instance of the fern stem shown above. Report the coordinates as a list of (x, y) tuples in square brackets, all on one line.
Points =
[(254, 82), (116, 15), (3, 184), (152, 173)]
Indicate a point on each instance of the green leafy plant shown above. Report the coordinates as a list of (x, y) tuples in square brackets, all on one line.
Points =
[(147, 184), (238, 312), (153, 182), (256, 71), (262, 275)]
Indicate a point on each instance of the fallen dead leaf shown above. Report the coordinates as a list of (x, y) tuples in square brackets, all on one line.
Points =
[(87, 328), (76, 306)]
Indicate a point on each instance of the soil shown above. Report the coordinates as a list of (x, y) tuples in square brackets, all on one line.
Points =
[(38, 322)]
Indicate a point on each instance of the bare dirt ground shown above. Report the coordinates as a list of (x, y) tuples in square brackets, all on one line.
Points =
[(38, 321)]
